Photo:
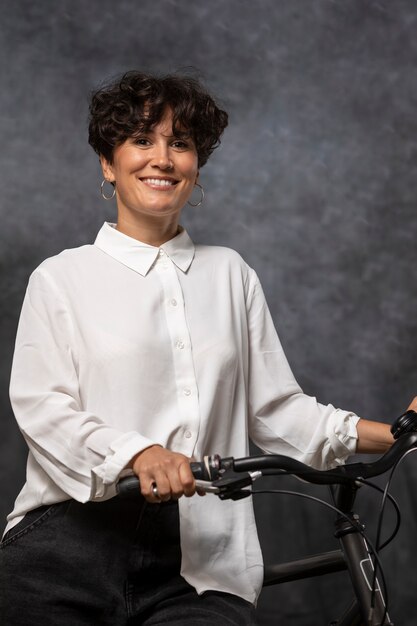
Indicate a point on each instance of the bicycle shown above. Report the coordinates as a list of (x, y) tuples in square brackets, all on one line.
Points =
[(231, 478)]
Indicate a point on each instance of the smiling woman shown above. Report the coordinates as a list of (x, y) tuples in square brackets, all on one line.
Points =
[(152, 136), (133, 355)]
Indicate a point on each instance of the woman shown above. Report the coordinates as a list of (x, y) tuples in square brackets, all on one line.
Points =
[(133, 355)]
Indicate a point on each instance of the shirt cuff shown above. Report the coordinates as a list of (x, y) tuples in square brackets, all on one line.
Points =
[(343, 436), (121, 451)]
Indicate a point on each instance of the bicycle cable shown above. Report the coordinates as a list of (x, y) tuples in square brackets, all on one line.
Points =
[(396, 508)]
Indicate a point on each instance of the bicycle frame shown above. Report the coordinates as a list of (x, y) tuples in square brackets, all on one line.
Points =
[(354, 556)]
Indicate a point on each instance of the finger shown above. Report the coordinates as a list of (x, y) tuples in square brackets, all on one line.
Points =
[(155, 488), (173, 474), (177, 489), (163, 486), (187, 479), (151, 492)]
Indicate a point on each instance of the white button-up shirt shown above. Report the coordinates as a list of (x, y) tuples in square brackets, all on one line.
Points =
[(122, 345)]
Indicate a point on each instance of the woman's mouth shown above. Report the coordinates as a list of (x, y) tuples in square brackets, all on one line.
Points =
[(159, 183)]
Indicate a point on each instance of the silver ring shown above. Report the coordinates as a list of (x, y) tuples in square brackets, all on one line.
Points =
[(155, 491)]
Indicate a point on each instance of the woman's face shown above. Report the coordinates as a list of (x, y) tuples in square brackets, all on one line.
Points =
[(154, 173)]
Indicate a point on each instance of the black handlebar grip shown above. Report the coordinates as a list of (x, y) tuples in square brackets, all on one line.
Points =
[(129, 487)]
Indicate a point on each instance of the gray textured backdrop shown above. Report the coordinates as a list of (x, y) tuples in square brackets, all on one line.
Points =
[(315, 184)]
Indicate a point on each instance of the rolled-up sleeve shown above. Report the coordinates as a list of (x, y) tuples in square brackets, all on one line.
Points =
[(282, 419), (81, 454)]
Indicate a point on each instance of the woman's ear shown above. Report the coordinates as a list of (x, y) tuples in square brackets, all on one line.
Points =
[(107, 169)]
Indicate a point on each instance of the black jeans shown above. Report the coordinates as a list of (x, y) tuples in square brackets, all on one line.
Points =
[(113, 563)]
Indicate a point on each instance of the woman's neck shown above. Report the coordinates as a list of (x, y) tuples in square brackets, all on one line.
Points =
[(154, 234)]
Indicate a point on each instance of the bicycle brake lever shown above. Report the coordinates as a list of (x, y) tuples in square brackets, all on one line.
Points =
[(236, 495), (230, 484), (206, 486)]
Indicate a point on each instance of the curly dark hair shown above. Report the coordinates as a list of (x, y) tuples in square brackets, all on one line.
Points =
[(134, 103)]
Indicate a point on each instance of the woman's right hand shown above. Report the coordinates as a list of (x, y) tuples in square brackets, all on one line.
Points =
[(169, 471)]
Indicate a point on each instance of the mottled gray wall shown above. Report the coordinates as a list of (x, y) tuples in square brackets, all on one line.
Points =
[(315, 184)]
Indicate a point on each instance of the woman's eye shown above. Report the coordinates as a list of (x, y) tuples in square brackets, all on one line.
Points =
[(180, 144), (142, 141)]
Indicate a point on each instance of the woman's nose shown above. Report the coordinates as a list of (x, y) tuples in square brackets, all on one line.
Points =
[(161, 158)]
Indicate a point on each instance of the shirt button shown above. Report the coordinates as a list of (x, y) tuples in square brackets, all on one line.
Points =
[(174, 302), (180, 345), (188, 434), (161, 253), (187, 392)]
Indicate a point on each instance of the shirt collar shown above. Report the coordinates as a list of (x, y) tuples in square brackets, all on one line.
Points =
[(141, 256)]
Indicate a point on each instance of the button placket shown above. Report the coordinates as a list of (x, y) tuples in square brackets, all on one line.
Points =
[(186, 384)]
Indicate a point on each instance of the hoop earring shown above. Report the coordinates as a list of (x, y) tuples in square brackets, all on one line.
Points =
[(202, 195), (103, 195)]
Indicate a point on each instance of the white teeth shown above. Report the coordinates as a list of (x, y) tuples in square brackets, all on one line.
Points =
[(158, 182)]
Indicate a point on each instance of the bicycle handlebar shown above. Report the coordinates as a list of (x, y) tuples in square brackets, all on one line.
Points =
[(228, 475), (339, 475)]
